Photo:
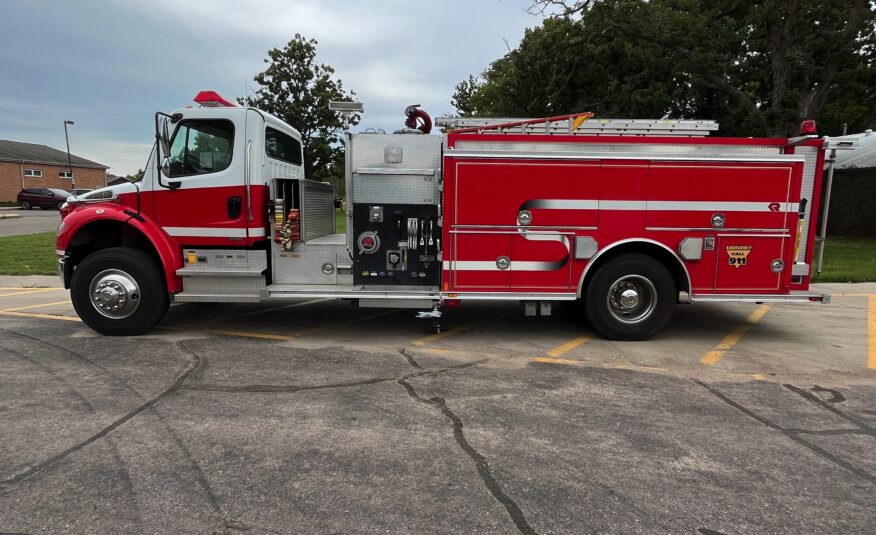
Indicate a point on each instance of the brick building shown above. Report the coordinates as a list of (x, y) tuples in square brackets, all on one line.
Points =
[(26, 165)]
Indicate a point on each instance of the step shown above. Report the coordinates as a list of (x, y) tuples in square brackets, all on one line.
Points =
[(189, 297), (213, 272)]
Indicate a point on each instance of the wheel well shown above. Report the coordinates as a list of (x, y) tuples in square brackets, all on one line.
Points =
[(659, 252), (103, 235)]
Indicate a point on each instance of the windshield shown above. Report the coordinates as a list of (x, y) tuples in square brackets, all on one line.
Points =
[(57, 191)]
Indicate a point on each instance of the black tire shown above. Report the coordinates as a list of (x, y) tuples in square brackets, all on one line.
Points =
[(616, 319), (143, 270), (25, 205), (60, 204)]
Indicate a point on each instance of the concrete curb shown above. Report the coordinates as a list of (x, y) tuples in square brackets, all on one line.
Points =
[(9, 216), (10, 208)]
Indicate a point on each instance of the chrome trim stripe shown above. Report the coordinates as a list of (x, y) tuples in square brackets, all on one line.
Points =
[(778, 158), (515, 227), (490, 265), (711, 229), (215, 232), (759, 298), (656, 206)]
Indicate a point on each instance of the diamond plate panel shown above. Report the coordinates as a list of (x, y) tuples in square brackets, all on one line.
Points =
[(409, 152), (303, 265), (809, 169)]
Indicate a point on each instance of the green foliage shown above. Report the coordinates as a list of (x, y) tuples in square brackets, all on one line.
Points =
[(136, 177), (297, 89), (757, 67)]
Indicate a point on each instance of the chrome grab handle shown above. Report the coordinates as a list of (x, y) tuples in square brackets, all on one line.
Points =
[(246, 179)]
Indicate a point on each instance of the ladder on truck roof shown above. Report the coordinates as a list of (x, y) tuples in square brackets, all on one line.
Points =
[(578, 124)]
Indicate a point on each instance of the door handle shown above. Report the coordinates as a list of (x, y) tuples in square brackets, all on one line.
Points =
[(234, 206)]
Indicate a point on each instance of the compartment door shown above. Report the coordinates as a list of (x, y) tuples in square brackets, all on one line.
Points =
[(479, 261), (744, 263)]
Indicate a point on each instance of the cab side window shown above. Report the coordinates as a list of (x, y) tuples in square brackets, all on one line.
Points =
[(201, 146), (282, 147)]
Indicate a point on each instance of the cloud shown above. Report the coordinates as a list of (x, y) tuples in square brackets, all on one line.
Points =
[(110, 64)]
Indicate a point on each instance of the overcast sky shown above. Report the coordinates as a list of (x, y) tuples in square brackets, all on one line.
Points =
[(109, 65)]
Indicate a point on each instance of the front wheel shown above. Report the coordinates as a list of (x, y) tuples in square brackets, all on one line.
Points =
[(25, 205), (119, 291), (631, 297)]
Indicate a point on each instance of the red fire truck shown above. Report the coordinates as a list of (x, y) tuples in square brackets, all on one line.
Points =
[(627, 217)]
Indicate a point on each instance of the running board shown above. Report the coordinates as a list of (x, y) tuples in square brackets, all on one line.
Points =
[(189, 297), (802, 297)]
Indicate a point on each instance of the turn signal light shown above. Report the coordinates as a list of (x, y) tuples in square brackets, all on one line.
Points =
[(808, 128)]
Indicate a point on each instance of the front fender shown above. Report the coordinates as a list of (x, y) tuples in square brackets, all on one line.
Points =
[(168, 250)]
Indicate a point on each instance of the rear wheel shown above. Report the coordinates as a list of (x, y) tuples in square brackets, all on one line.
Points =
[(60, 204), (25, 205), (119, 291), (631, 297)]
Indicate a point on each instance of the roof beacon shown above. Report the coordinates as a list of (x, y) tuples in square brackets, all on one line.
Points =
[(212, 99)]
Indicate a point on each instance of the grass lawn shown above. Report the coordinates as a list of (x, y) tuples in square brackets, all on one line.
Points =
[(340, 221), (30, 254), (847, 260)]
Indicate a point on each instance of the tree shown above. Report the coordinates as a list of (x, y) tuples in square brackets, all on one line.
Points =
[(135, 177), (757, 66), (297, 89)]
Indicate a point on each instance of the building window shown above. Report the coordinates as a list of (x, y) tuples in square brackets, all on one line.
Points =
[(65, 174), (33, 173)]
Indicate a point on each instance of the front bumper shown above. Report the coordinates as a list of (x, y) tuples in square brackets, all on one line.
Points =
[(793, 297), (64, 271)]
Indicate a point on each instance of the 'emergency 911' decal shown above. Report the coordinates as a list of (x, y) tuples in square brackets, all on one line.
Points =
[(738, 255)]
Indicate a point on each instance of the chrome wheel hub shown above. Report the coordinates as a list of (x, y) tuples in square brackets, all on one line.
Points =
[(114, 293), (632, 299)]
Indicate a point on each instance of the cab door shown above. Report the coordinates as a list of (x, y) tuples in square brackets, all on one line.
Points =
[(203, 198)]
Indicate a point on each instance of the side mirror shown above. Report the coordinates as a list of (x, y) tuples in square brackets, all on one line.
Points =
[(165, 138), (165, 166)]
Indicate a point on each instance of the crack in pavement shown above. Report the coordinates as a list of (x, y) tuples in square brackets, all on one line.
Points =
[(480, 461), (793, 434), (129, 483), (198, 473), (258, 388), (410, 358), (173, 387)]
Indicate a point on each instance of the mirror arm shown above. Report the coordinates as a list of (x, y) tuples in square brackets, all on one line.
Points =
[(162, 146)]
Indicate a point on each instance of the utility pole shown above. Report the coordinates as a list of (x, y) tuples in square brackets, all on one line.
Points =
[(69, 163)]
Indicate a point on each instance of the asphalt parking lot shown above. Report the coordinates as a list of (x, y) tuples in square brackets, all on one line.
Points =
[(16, 221), (313, 416)]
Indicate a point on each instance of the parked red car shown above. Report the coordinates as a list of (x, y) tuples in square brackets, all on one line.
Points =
[(42, 197)]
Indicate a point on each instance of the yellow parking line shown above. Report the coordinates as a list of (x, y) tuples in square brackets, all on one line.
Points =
[(40, 316), (871, 332), (16, 309), (568, 346), (450, 332), (713, 356), (549, 360), (27, 288), (26, 291)]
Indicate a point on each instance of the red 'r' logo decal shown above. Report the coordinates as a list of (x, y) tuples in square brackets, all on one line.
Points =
[(774, 207)]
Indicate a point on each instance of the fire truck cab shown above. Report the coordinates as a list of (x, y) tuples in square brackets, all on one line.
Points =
[(627, 217)]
